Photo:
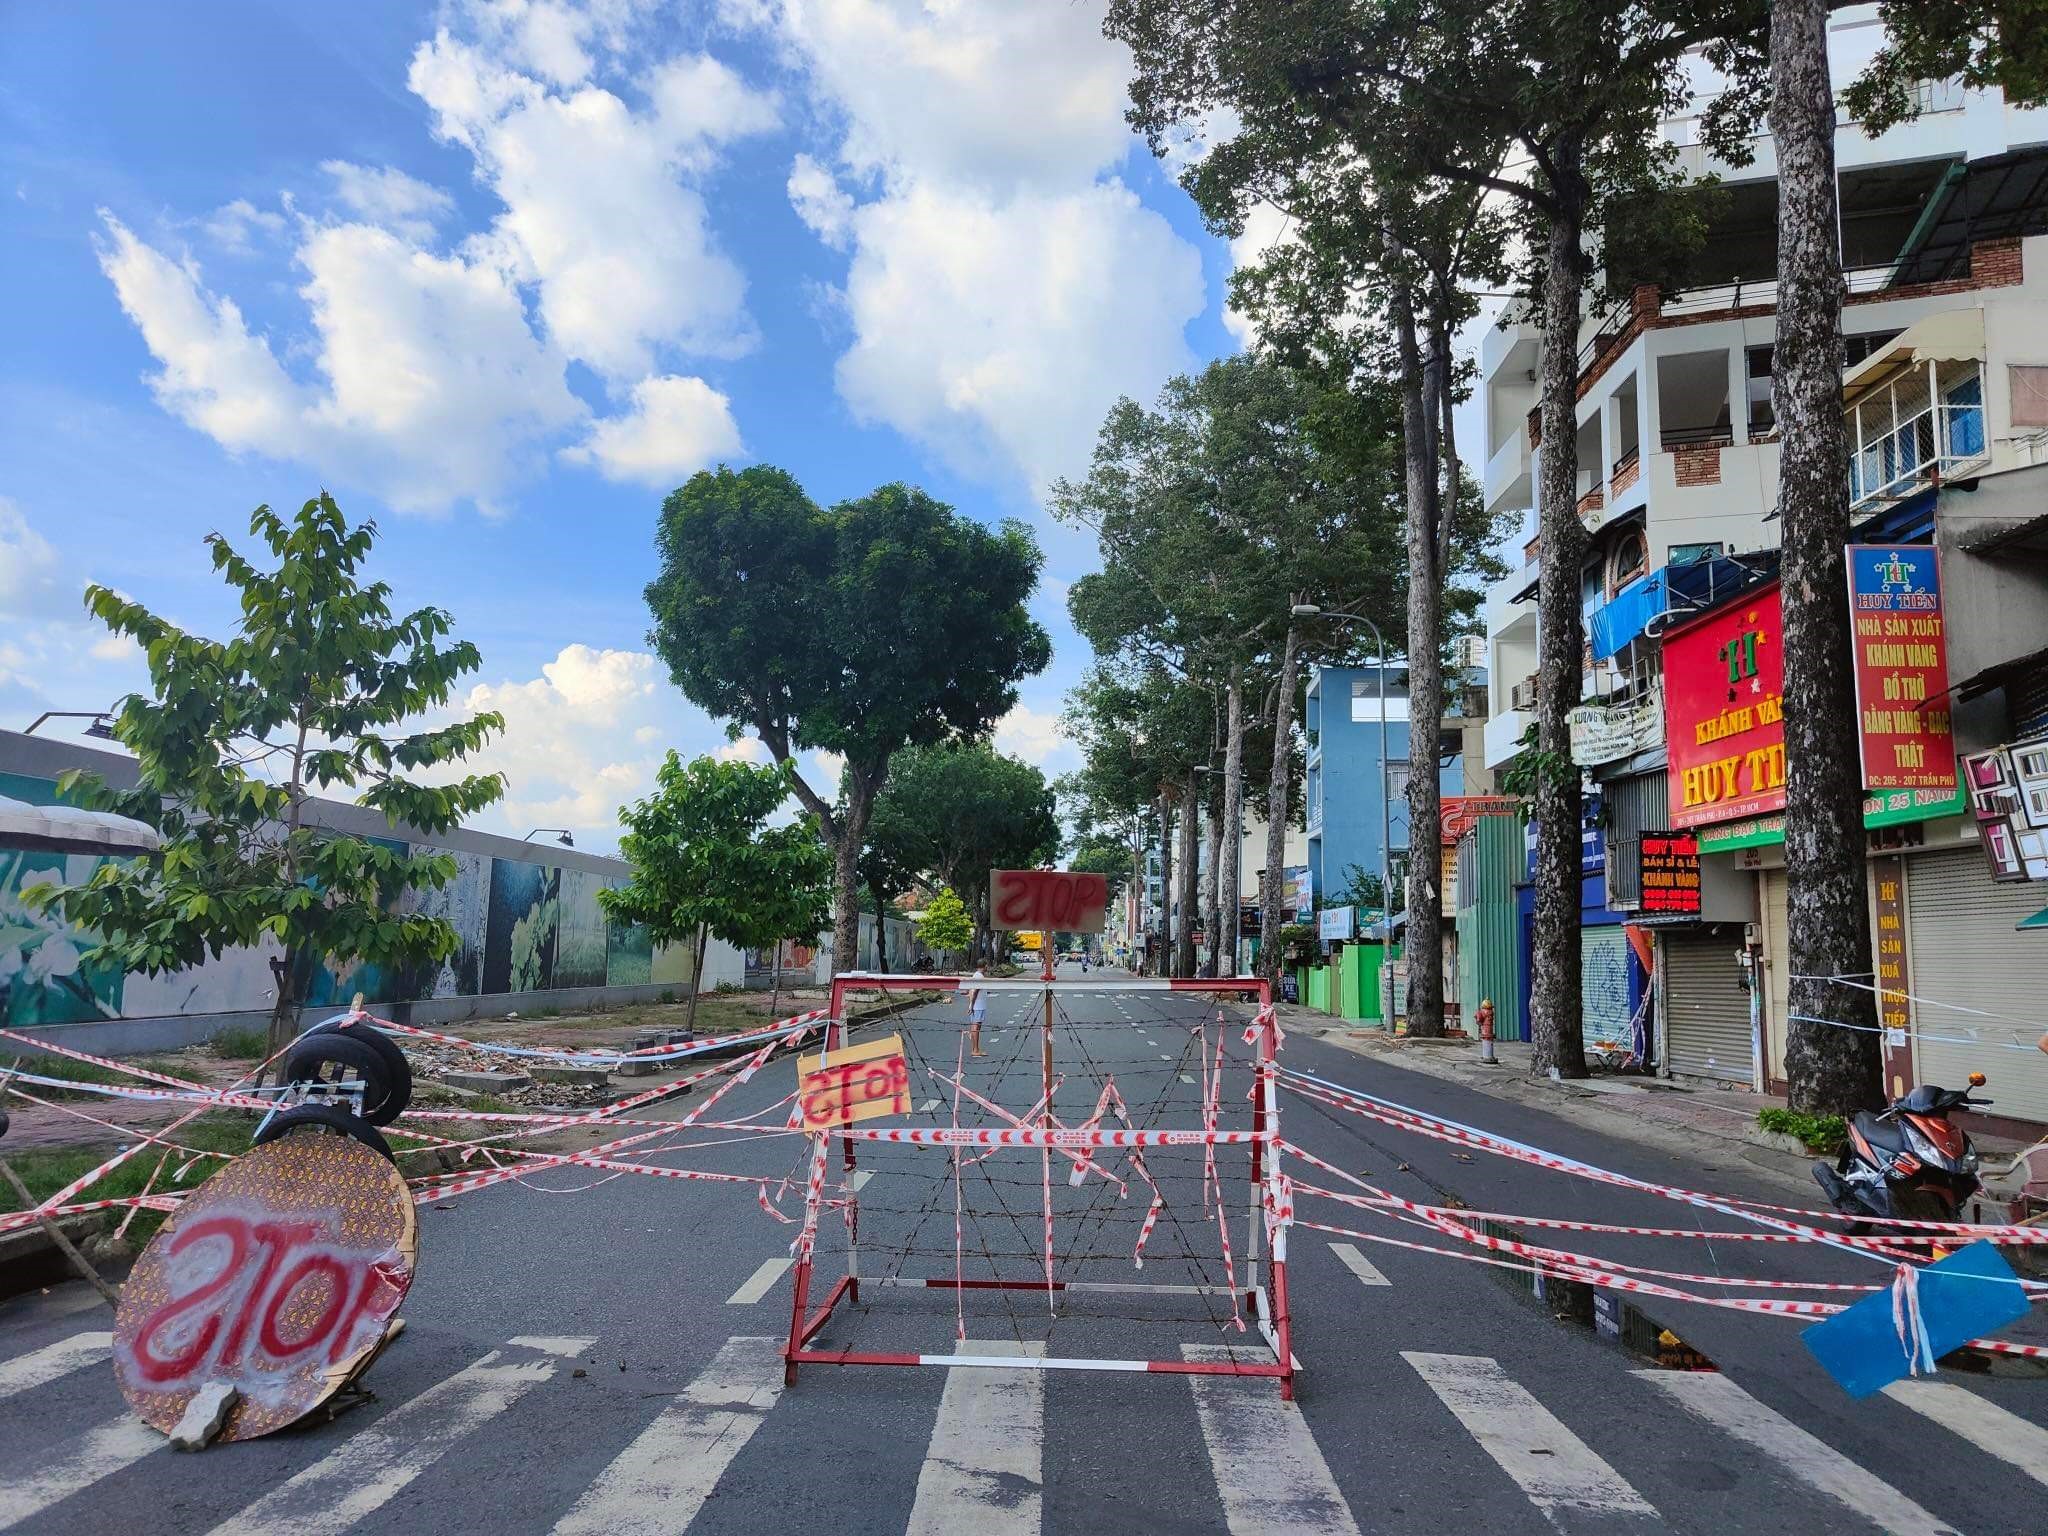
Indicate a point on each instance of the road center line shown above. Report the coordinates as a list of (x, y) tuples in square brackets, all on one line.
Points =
[(659, 1482), (1368, 1272), (1557, 1470), (1723, 1404), (983, 1471), (759, 1282)]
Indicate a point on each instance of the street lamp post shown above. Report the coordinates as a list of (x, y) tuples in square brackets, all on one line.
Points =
[(1317, 611), (564, 839)]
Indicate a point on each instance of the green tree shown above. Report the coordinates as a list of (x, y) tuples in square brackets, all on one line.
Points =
[(237, 735), (957, 810), (881, 623), (706, 864), (944, 924)]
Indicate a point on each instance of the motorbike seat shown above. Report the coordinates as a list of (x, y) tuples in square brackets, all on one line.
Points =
[(1884, 1135)]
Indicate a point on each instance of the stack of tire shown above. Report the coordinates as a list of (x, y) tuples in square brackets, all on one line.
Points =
[(343, 1052)]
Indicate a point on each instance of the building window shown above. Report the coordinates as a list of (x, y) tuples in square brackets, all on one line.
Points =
[(1629, 558), (2029, 395), (1693, 554), (1858, 347), (1761, 417)]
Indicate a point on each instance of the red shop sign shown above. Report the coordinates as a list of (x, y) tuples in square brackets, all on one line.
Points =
[(1724, 725)]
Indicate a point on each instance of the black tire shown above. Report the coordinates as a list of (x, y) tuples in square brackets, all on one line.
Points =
[(325, 1117), (394, 1058), (335, 1059)]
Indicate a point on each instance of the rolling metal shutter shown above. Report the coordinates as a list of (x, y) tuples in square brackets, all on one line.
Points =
[(1603, 985), (1706, 1011), (1962, 948)]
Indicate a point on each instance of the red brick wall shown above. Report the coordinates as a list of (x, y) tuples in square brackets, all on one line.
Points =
[(1698, 463), (1624, 478)]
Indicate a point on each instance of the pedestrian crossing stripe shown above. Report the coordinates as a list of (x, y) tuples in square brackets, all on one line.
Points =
[(984, 1470)]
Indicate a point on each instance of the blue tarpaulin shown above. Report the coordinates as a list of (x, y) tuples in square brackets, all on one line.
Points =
[(1963, 1297), (1622, 617)]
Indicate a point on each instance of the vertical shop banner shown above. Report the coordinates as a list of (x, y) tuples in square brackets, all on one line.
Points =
[(1888, 881), (1724, 725), (1901, 667)]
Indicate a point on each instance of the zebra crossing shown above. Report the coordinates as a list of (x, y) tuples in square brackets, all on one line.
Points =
[(985, 1464)]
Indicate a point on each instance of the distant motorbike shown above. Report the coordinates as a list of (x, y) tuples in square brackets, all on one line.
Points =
[(1907, 1162)]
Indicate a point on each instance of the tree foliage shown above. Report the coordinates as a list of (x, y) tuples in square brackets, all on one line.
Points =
[(313, 691), (884, 622), (944, 923), (707, 863)]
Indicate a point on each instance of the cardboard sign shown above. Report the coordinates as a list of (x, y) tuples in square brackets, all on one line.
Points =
[(1669, 874), (1047, 900), (1966, 1295), (1901, 654), (860, 1082)]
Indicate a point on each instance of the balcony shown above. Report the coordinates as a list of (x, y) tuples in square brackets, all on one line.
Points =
[(1915, 410), (1503, 736), (1507, 472)]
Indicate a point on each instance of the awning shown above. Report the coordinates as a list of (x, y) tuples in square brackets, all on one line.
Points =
[(66, 829), (2038, 920), (1626, 614), (1952, 336)]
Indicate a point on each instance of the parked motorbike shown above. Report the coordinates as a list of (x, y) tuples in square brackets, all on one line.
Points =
[(1908, 1161)]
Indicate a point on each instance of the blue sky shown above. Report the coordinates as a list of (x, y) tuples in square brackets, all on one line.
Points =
[(498, 273)]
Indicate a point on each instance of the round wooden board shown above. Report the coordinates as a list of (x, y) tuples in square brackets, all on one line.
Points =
[(279, 1275)]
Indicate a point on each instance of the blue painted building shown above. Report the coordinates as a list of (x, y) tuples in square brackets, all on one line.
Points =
[(1345, 761)]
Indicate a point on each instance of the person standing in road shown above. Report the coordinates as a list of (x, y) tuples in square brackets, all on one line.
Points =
[(977, 1010)]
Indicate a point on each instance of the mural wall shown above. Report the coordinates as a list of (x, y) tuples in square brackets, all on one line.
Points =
[(522, 927)]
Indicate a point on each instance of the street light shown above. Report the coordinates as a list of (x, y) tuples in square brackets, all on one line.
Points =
[(99, 730), (565, 839), (1317, 611)]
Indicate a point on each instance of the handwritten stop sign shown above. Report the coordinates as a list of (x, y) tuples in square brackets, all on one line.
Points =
[(1048, 900)]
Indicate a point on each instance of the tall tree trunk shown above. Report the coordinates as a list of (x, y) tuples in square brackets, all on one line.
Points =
[(1274, 900), (1164, 960), (1213, 896), (696, 977), (1190, 872), (775, 979), (1421, 387), (284, 1001), (1229, 876), (1555, 1004), (1134, 898), (1829, 1070)]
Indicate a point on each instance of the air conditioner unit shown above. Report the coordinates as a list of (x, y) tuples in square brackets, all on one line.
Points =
[(1523, 694), (1469, 651)]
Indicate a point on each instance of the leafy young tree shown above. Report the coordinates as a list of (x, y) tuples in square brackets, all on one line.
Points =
[(706, 864), (945, 925), (236, 736), (881, 623)]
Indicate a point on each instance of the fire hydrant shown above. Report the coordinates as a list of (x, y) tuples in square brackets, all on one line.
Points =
[(1485, 1017)]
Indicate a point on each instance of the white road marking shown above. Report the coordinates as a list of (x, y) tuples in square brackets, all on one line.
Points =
[(53, 1360), (376, 1464), (759, 1282), (1272, 1477), (1162, 1055), (1723, 1404), (101, 1453), (861, 1177), (1557, 1470), (1188, 1080), (983, 1471), (1983, 1423), (1368, 1272), (927, 1106), (659, 1482)]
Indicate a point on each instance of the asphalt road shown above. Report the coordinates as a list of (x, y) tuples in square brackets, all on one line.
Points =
[(607, 1360)]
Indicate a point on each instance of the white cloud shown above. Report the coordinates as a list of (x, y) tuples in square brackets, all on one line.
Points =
[(999, 331), (1004, 288), (390, 199), (699, 101), (431, 367), (675, 427), (748, 749), (233, 225), (29, 568), (571, 747), (1265, 226), (1032, 734), (821, 202), (621, 250)]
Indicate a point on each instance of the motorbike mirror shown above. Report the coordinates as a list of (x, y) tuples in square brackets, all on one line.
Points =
[(1976, 1079)]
